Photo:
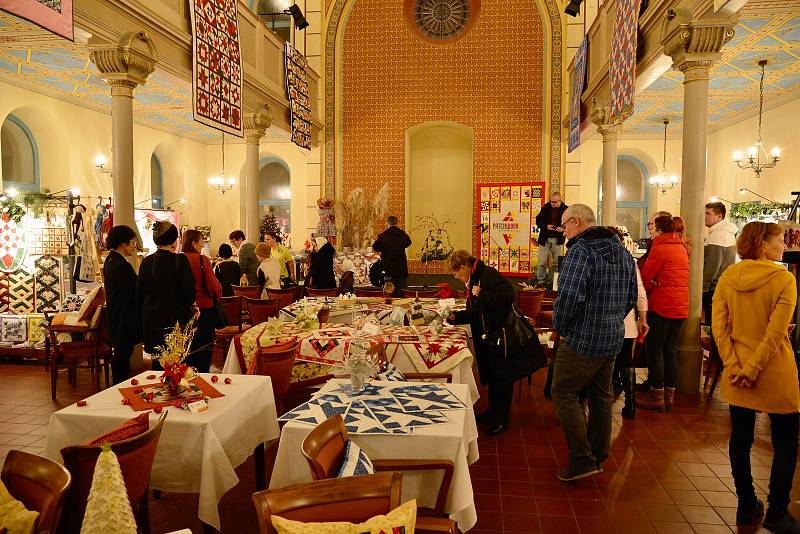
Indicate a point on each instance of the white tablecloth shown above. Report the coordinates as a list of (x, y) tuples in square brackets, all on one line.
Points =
[(456, 441), (197, 453)]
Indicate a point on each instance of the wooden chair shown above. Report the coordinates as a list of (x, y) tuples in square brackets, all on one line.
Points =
[(369, 292), (285, 297), (40, 484), (233, 311), (253, 292), (333, 292), (530, 303), (353, 499), (324, 449), (261, 310), (135, 457), (277, 363), (421, 293), (95, 348)]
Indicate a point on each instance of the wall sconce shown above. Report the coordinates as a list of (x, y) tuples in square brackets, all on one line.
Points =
[(100, 162), (744, 190)]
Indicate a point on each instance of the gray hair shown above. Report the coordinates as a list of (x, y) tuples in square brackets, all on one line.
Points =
[(582, 212)]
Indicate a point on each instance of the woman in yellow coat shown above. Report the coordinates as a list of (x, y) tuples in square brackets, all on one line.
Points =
[(753, 305)]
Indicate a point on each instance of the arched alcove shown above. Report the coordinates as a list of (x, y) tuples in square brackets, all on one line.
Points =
[(439, 153), (156, 182), (632, 196), (275, 191), (20, 155)]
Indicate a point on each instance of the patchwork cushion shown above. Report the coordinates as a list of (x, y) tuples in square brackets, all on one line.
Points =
[(72, 302), (130, 428), (13, 515), (355, 462), (401, 520), (391, 373), (36, 324), (13, 328), (94, 299)]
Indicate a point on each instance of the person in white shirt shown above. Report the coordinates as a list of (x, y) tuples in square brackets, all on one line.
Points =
[(269, 270)]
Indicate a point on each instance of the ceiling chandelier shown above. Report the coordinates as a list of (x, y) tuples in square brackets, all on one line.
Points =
[(664, 181), (754, 153), (220, 183)]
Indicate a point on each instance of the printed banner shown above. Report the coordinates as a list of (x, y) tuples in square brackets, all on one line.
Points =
[(52, 15), (216, 65), (507, 218), (622, 70), (791, 235), (578, 82), (297, 91)]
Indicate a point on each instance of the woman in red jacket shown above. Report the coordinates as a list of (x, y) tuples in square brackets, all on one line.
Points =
[(206, 289), (666, 279)]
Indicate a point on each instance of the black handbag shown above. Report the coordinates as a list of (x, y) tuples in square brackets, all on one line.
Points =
[(516, 339), (220, 317)]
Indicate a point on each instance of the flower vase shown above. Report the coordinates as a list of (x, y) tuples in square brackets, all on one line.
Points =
[(356, 383)]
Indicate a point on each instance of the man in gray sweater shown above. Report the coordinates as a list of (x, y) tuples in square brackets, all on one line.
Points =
[(719, 251), (247, 256)]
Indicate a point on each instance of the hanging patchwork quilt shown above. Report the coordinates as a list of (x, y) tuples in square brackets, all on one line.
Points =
[(52, 15), (216, 65), (12, 244), (4, 294), (622, 70), (49, 283), (20, 287), (297, 91), (578, 82)]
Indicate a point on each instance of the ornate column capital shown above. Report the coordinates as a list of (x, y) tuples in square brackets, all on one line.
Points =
[(256, 124), (606, 126), (694, 45), (126, 63)]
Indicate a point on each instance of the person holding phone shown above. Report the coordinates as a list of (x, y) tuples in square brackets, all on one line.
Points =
[(551, 237)]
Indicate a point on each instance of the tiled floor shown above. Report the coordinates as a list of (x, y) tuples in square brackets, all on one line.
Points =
[(668, 472)]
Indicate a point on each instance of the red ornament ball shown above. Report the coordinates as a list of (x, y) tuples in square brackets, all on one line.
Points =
[(138, 390), (149, 396), (134, 382), (214, 378), (158, 408), (126, 401), (81, 403), (228, 380)]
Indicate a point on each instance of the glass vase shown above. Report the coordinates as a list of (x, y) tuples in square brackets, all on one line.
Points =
[(356, 383)]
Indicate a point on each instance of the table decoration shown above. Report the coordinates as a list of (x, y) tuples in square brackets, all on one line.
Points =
[(361, 366), (172, 355)]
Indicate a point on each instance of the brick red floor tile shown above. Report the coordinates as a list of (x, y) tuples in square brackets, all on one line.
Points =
[(672, 527), (700, 514), (550, 506)]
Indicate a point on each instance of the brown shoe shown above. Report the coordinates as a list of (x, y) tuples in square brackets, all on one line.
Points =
[(669, 397), (652, 400)]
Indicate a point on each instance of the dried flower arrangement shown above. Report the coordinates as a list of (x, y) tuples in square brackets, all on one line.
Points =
[(172, 355), (357, 216)]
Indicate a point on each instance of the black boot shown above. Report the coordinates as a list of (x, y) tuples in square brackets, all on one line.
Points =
[(629, 386)]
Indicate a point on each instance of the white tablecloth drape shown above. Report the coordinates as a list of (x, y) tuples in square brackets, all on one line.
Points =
[(456, 441), (197, 453)]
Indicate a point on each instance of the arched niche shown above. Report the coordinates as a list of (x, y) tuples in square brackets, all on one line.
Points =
[(275, 191), (632, 196), (439, 185), (20, 155)]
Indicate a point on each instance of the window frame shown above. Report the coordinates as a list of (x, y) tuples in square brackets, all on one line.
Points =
[(25, 187)]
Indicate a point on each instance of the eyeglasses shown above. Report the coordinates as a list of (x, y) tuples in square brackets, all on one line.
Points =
[(564, 223)]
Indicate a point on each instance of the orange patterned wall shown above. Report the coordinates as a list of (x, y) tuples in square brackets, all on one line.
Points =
[(490, 80)]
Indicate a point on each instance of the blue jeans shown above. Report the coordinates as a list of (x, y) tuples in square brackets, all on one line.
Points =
[(551, 249), (662, 350)]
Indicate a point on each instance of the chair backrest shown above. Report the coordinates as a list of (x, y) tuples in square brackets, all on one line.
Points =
[(254, 292), (311, 292), (40, 484), (104, 330), (285, 297), (530, 302), (135, 457), (324, 446), (261, 310), (233, 309), (421, 293), (369, 292), (346, 282), (277, 364), (354, 499)]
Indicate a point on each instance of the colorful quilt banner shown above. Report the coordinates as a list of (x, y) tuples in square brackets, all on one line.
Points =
[(52, 15), (216, 65), (578, 82), (507, 218), (622, 70), (297, 91)]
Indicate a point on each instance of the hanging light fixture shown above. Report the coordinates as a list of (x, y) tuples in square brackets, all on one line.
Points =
[(754, 153), (221, 183), (664, 181)]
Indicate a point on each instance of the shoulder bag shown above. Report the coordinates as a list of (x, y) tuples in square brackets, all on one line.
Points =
[(516, 339), (220, 318)]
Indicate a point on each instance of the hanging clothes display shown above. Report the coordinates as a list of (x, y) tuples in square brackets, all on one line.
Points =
[(84, 262)]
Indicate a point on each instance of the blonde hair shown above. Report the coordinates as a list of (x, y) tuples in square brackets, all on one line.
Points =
[(263, 250), (459, 258)]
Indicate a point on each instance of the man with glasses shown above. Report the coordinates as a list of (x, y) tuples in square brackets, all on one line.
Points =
[(597, 287), (551, 237)]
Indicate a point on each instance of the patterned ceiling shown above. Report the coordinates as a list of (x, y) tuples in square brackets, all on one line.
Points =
[(767, 29), (38, 60)]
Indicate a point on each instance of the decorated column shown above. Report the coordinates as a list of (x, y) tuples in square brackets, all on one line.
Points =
[(694, 47), (255, 126), (609, 129), (124, 65)]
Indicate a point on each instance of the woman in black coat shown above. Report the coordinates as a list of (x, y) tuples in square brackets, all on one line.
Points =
[(490, 298), (165, 292), (321, 268), (119, 280)]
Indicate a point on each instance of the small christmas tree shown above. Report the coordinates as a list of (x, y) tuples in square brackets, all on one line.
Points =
[(269, 224)]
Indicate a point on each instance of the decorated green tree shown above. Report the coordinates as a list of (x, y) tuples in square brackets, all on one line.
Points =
[(269, 224)]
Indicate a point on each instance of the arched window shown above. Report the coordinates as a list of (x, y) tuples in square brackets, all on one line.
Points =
[(275, 192), (20, 156), (156, 182), (280, 22), (632, 192)]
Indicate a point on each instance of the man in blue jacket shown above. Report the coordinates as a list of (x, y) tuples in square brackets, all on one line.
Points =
[(596, 289)]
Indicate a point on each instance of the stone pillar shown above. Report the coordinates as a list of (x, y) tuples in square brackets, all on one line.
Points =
[(609, 129), (694, 47), (124, 65), (255, 126)]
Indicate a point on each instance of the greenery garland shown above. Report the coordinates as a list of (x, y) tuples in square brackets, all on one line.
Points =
[(753, 210), (34, 202)]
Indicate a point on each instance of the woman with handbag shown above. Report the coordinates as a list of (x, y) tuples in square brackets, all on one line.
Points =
[(490, 313), (207, 291)]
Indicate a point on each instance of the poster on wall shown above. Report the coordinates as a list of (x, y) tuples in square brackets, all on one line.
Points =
[(52, 15), (297, 91), (507, 220)]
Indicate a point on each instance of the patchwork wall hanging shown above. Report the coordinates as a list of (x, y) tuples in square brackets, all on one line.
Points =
[(13, 328), (48, 240), (20, 288), (52, 15), (36, 324), (507, 220), (4, 293), (622, 69), (48, 280), (12, 244), (578, 82), (297, 91), (216, 65)]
